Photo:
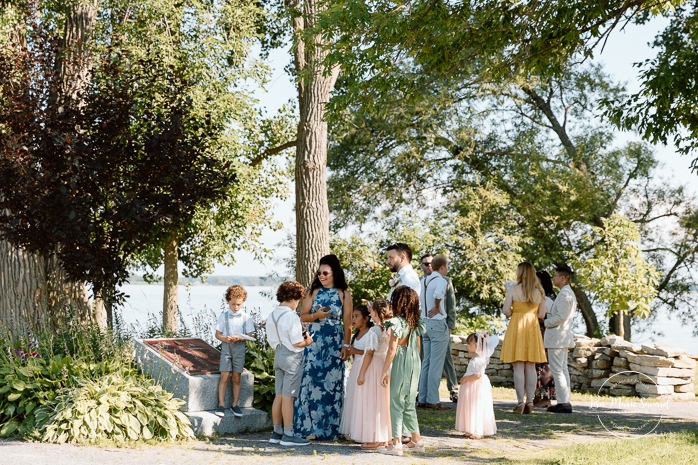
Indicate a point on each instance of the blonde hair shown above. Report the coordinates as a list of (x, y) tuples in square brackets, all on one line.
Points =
[(526, 276), (235, 292)]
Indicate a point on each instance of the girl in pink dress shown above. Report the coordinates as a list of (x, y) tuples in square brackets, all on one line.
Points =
[(366, 415), (475, 410)]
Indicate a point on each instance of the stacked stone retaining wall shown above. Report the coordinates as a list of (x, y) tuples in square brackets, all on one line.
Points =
[(609, 366)]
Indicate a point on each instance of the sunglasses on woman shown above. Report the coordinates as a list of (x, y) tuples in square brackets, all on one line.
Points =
[(323, 273)]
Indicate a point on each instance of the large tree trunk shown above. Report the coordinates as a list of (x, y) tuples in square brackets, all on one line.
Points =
[(314, 87), (35, 296), (170, 309), (592, 323), (35, 293), (103, 317), (23, 307), (73, 66)]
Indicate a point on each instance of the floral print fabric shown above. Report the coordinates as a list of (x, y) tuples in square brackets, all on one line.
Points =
[(318, 408)]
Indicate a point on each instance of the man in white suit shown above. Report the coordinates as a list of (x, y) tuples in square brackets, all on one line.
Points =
[(558, 337)]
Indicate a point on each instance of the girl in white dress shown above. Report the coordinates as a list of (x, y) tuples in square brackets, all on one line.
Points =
[(475, 410), (366, 415)]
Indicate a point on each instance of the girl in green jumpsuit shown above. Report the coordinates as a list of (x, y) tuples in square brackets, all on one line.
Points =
[(403, 352)]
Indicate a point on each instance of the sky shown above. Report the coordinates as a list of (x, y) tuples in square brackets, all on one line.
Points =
[(621, 51)]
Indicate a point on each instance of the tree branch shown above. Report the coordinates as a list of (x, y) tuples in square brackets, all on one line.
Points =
[(620, 192), (544, 106), (268, 153), (679, 261)]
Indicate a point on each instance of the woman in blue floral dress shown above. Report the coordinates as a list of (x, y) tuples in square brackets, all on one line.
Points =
[(327, 310)]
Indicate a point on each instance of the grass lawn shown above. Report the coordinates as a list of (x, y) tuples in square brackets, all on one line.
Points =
[(578, 438), (670, 449), (572, 439)]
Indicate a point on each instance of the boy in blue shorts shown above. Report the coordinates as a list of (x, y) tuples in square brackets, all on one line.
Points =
[(232, 324), (285, 335)]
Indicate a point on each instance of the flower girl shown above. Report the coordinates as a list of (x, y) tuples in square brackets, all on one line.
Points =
[(366, 415), (475, 410)]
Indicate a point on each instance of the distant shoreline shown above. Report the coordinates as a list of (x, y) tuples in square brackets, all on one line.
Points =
[(215, 280)]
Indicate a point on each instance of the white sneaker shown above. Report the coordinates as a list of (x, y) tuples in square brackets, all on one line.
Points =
[(391, 450), (415, 446)]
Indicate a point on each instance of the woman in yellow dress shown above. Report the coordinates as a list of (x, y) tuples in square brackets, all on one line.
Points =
[(523, 344)]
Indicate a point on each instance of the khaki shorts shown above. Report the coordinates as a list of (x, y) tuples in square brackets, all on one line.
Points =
[(288, 368)]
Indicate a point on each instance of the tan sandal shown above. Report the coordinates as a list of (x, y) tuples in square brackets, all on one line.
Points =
[(519, 407), (528, 408)]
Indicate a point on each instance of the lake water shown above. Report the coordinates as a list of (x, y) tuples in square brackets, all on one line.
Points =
[(202, 303), (199, 305)]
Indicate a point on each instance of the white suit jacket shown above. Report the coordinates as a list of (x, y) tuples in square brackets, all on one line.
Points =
[(558, 324)]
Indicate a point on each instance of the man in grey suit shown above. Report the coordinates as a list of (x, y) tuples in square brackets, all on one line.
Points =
[(559, 339)]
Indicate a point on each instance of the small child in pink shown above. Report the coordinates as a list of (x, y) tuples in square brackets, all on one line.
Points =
[(475, 410)]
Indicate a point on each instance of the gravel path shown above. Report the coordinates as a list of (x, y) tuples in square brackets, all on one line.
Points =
[(517, 433)]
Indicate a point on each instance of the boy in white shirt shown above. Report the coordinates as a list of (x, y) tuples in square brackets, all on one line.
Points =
[(285, 334), (232, 324)]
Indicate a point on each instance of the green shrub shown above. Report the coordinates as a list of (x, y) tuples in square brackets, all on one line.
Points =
[(88, 343), (79, 384), (468, 324), (119, 407), (259, 359), (28, 382)]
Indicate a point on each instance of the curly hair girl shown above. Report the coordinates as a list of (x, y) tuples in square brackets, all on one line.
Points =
[(405, 303)]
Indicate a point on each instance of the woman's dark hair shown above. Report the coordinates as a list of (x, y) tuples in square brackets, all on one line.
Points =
[(290, 290), (366, 314), (471, 338), (405, 303), (340, 281), (546, 282)]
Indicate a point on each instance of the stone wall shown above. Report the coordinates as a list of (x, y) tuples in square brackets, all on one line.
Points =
[(610, 366)]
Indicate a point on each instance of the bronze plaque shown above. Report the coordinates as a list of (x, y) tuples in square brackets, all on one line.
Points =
[(194, 356)]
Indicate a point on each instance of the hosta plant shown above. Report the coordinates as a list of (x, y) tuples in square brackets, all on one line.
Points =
[(27, 382), (119, 407)]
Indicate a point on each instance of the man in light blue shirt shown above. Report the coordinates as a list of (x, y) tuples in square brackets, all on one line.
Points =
[(435, 340)]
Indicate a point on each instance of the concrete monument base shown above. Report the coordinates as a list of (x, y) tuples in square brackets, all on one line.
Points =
[(207, 423), (200, 392)]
